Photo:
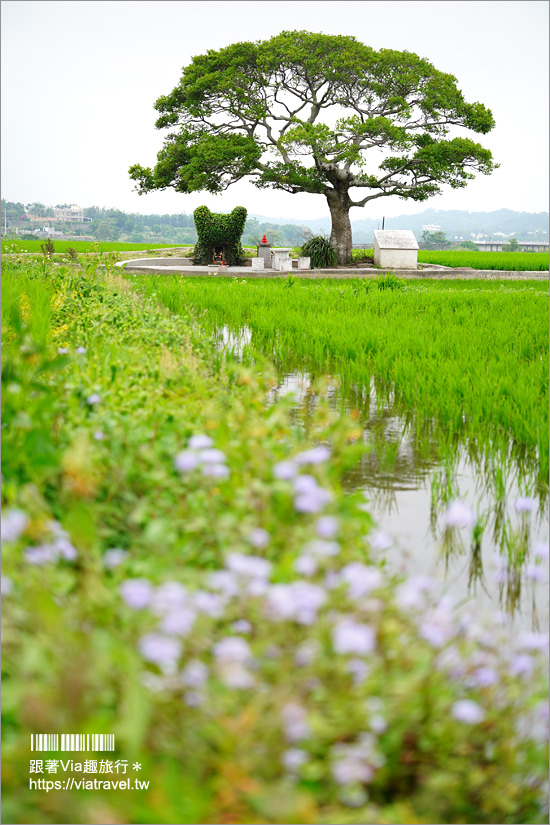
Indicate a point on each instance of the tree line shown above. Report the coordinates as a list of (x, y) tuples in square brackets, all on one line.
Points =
[(108, 224)]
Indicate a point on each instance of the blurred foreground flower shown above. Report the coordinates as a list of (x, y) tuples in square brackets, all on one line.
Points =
[(459, 515), (13, 524)]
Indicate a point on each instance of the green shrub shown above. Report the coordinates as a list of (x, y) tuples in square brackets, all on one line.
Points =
[(320, 251)]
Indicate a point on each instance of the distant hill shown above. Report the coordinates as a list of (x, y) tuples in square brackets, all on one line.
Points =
[(454, 222)]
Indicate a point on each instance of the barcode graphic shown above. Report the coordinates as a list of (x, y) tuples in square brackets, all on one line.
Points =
[(72, 741)]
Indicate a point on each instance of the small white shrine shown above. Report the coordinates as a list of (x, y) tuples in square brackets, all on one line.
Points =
[(395, 249)]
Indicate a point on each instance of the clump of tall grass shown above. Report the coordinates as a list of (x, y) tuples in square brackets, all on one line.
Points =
[(319, 249)]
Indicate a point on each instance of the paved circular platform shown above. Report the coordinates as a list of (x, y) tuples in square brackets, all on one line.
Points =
[(180, 266)]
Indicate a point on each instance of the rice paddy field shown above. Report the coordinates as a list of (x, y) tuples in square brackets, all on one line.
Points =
[(192, 562), (15, 246), (512, 261)]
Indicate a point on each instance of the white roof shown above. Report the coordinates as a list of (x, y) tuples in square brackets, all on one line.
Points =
[(395, 239)]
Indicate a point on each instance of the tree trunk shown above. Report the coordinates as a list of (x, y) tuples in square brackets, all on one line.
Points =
[(340, 236)]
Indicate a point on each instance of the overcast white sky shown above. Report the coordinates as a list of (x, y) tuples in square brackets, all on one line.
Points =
[(80, 79)]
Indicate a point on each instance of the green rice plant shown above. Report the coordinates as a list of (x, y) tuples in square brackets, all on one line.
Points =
[(468, 358), (390, 281), (16, 245), (320, 251), (512, 261)]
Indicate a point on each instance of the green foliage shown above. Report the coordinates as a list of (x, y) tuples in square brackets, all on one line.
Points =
[(319, 249), (390, 282), (511, 246), (433, 240), (48, 247), (214, 230)]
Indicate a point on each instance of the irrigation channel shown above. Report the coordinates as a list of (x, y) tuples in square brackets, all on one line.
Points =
[(408, 486)]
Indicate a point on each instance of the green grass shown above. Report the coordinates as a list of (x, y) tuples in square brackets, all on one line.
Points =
[(467, 359), (83, 246)]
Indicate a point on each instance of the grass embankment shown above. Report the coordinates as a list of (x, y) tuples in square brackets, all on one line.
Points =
[(300, 682), (466, 360)]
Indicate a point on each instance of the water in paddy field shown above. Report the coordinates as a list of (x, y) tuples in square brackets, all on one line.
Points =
[(406, 487)]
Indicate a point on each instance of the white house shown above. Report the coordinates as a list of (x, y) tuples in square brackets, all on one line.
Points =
[(395, 249)]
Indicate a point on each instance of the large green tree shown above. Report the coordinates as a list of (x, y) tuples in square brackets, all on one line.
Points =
[(317, 113)]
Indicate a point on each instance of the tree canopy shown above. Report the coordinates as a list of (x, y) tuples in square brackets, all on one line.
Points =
[(324, 114)]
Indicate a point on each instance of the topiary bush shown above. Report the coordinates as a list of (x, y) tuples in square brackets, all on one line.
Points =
[(320, 251), (215, 230)]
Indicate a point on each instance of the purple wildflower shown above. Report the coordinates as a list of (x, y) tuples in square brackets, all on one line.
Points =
[(317, 455), (379, 540), (293, 759), (322, 548), (212, 456), (41, 554), (114, 557), (168, 597), (241, 626), (353, 637), (361, 580), (485, 677), (285, 470), (136, 593), (307, 652), (199, 442), (179, 622), (299, 601), (541, 551), (194, 674), (99, 435), (209, 603), (535, 572), (350, 770), (305, 565), (215, 470), (232, 649), (525, 504), (224, 580), (468, 712), (258, 537), (6, 586), (185, 461), (163, 651), (81, 350), (253, 567), (327, 527), (14, 523), (459, 515), (359, 670), (94, 398), (295, 724), (533, 641), (522, 664)]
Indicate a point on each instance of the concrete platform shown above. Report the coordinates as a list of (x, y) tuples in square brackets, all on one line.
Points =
[(176, 266)]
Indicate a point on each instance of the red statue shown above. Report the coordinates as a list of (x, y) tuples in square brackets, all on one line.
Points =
[(264, 239)]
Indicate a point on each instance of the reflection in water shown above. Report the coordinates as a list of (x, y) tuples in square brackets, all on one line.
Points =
[(409, 479)]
